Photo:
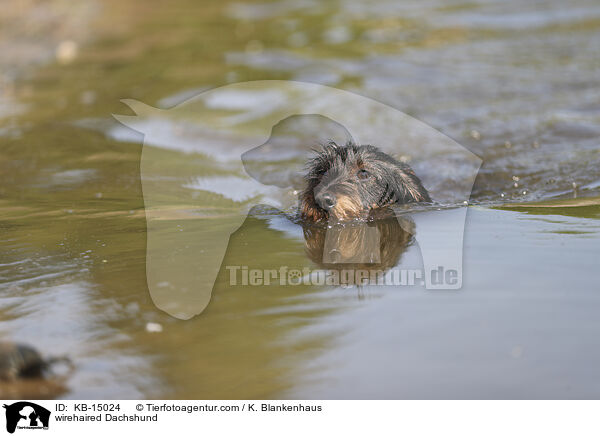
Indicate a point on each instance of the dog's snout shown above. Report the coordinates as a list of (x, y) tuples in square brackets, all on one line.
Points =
[(326, 201)]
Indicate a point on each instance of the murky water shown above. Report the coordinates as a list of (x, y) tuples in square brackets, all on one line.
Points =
[(515, 84)]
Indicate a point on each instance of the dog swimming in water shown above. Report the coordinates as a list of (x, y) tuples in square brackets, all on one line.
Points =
[(348, 182)]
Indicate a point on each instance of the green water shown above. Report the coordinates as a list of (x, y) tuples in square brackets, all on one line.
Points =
[(515, 84)]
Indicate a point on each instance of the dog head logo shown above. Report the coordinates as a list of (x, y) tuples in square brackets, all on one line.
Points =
[(26, 415), (248, 144)]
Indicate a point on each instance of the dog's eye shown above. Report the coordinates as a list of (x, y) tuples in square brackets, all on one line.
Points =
[(363, 174)]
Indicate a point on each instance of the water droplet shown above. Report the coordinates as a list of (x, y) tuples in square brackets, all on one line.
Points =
[(66, 52), (154, 327)]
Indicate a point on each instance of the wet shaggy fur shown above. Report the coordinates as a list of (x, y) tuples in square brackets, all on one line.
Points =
[(349, 181)]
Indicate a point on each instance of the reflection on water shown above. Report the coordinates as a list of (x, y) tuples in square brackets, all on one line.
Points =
[(376, 245), (515, 83)]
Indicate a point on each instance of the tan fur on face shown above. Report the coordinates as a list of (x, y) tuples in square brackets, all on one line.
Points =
[(309, 209), (347, 208)]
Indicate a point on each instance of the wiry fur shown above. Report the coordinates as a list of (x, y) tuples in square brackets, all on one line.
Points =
[(354, 180)]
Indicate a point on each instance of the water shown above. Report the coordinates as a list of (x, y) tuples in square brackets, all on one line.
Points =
[(515, 84)]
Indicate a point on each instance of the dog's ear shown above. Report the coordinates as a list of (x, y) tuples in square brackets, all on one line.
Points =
[(406, 186)]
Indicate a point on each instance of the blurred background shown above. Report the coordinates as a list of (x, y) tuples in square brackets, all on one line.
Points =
[(516, 83)]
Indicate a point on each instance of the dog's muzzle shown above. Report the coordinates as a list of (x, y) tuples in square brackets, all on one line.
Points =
[(326, 200)]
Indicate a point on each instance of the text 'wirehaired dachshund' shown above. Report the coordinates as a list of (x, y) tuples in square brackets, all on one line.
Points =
[(349, 181)]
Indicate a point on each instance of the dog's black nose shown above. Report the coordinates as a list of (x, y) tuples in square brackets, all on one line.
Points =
[(326, 201)]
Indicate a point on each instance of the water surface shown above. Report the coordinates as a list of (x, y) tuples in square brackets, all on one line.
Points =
[(516, 84)]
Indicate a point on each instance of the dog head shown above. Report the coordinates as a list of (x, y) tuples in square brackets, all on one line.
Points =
[(349, 181)]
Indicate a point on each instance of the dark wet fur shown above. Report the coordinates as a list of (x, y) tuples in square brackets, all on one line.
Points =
[(350, 181)]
